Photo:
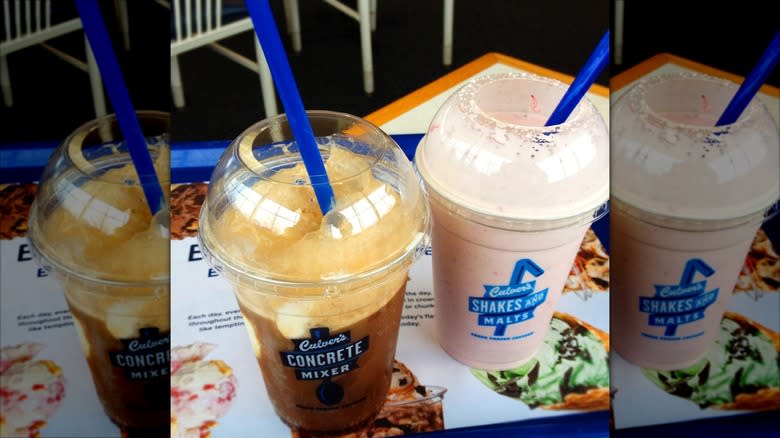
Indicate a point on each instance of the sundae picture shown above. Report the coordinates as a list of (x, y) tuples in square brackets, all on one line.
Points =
[(202, 391), (31, 391), (569, 372)]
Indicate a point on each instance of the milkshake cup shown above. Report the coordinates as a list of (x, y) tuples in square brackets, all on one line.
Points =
[(687, 200), (511, 201), (321, 295), (91, 227)]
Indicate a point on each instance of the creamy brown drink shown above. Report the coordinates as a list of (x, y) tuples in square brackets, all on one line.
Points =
[(321, 295), (90, 224)]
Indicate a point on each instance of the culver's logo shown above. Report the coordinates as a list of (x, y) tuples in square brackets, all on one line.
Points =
[(322, 357), (145, 357), (677, 304), (146, 344), (513, 303)]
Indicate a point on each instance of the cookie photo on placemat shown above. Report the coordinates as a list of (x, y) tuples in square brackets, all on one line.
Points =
[(569, 372), (761, 272), (740, 371), (15, 202), (410, 407), (186, 200), (590, 271)]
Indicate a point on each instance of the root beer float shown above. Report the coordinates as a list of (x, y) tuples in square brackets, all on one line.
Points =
[(91, 226), (321, 294)]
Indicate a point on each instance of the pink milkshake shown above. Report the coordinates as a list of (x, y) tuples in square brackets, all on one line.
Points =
[(687, 199), (511, 201)]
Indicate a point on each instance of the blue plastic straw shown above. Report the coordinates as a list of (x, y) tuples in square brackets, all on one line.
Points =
[(585, 78), (100, 43), (752, 84), (268, 34)]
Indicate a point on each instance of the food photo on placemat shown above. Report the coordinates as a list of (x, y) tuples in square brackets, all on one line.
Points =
[(740, 371), (410, 407), (202, 390), (569, 372)]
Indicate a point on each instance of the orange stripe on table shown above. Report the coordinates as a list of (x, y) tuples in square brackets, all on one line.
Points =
[(646, 67), (473, 68)]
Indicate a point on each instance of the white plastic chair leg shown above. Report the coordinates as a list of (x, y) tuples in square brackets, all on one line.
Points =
[(292, 15), (449, 15), (266, 82), (177, 89), (619, 5), (95, 82), (287, 16), (365, 46), (124, 24), (373, 15), (5, 82)]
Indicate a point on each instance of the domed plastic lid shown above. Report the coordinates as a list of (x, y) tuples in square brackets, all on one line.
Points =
[(261, 221), (489, 155), (90, 219), (671, 164)]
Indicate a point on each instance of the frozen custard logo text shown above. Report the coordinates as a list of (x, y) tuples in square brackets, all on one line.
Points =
[(322, 357), (146, 357), (677, 304), (513, 303)]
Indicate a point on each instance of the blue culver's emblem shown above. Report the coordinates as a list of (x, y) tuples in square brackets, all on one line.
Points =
[(322, 357), (684, 303), (512, 303)]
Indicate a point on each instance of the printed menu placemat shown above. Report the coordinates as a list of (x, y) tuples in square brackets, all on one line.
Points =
[(45, 384), (430, 391)]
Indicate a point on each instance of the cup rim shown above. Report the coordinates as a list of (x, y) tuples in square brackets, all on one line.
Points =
[(509, 223), (681, 223)]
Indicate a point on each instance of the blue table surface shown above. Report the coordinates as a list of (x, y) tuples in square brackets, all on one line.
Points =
[(194, 161)]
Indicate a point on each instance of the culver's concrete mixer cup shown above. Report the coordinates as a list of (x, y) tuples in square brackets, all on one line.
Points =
[(321, 295), (91, 226), (687, 200), (511, 201)]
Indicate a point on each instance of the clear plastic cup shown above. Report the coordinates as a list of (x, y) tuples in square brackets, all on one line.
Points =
[(511, 202), (321, 295), (687, 200), (91, 226)]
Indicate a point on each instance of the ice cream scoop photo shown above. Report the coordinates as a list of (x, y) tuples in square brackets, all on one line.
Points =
[(31, 391)]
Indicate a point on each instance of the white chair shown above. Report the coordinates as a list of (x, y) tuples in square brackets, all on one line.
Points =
[(365, 15), (199, 23), (619, 12), (32, 25)]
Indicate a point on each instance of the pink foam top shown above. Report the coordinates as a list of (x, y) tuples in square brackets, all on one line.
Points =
[(488, 151)]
